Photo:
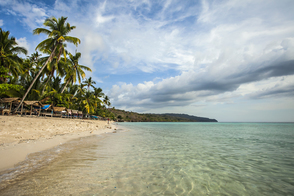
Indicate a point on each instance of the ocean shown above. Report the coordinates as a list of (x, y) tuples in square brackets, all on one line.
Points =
[(164, 159)]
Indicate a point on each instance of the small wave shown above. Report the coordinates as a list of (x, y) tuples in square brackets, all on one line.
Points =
[(38, 160)]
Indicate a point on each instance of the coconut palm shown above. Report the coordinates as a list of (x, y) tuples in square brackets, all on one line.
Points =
[(98, 92), (53, 68), (106, 101), (89, 101), (89, 82), (35, 57), (75, 71), (30, 66), (8, 54), (80, 90), (57, 35)]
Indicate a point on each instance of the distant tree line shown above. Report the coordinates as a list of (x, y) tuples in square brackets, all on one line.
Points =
[(125, 116)]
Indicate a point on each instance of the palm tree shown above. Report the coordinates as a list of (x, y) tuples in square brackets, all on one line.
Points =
[(98, 92), (8, 55), (34, 58), (53, 68), (10, 63), (89, 82), (106, 101), (80, 90), (57, 35), (30, 66), (75, 71), (89, 101)]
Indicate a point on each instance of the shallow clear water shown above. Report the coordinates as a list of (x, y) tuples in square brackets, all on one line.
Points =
[(165, 159)]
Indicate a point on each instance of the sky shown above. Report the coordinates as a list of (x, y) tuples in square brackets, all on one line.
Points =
[(228, 60)]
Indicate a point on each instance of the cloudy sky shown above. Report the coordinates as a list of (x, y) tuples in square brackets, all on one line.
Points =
[(229, 60)]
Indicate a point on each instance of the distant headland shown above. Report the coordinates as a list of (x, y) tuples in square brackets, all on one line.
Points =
[(126, 116)]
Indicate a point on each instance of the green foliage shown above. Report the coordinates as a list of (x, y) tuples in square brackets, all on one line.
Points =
[(136, 117), (36, 78), (8, 55), (3, 72), (5, 88)]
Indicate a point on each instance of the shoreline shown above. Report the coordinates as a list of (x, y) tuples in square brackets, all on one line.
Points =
[(21, 136)]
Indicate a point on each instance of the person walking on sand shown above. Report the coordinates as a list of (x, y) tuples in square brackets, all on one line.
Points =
[(108, 121)]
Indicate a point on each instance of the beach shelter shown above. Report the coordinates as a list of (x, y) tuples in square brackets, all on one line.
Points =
[(80, 114), (8, 102), (69, 113), (46, 110), (59, 111), (35, 104), (75, 113)]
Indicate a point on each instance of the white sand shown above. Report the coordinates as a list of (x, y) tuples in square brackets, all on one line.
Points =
[(20, 136)]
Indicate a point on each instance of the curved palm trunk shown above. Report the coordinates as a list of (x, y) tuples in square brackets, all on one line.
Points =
[(66, 85), (49, 77), (49, 59)]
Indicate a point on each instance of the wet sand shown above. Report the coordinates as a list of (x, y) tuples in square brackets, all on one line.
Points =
[(20, 136)]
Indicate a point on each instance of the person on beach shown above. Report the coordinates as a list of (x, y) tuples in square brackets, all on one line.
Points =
[(108, 121)]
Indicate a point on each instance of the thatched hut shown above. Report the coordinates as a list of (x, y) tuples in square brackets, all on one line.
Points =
[(35, 104), (80, 114), (46, 110), (75, 113), (59, 111), (8, 103)]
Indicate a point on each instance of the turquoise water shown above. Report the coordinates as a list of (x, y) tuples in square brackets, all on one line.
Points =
[(168, 159)]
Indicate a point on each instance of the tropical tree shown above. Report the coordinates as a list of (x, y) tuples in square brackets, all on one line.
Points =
[(30, 66), (75, 70), (89, 82), (57, 35), (35, 58), (89, 101), (53, 68), (9, 61), (9, 51), (98, 92), (80, 90), (106, 101)]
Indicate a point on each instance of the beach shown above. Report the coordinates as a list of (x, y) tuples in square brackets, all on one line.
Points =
[(20, 136)]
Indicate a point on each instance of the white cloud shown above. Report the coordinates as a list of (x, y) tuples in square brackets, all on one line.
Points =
[(30, 14), (221, 50), (1, 23), (22, 42)]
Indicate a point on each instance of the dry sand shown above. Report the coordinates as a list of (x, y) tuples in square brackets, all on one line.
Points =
[(20, 136)]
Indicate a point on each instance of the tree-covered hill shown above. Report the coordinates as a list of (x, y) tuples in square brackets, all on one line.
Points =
[(122, 115)]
